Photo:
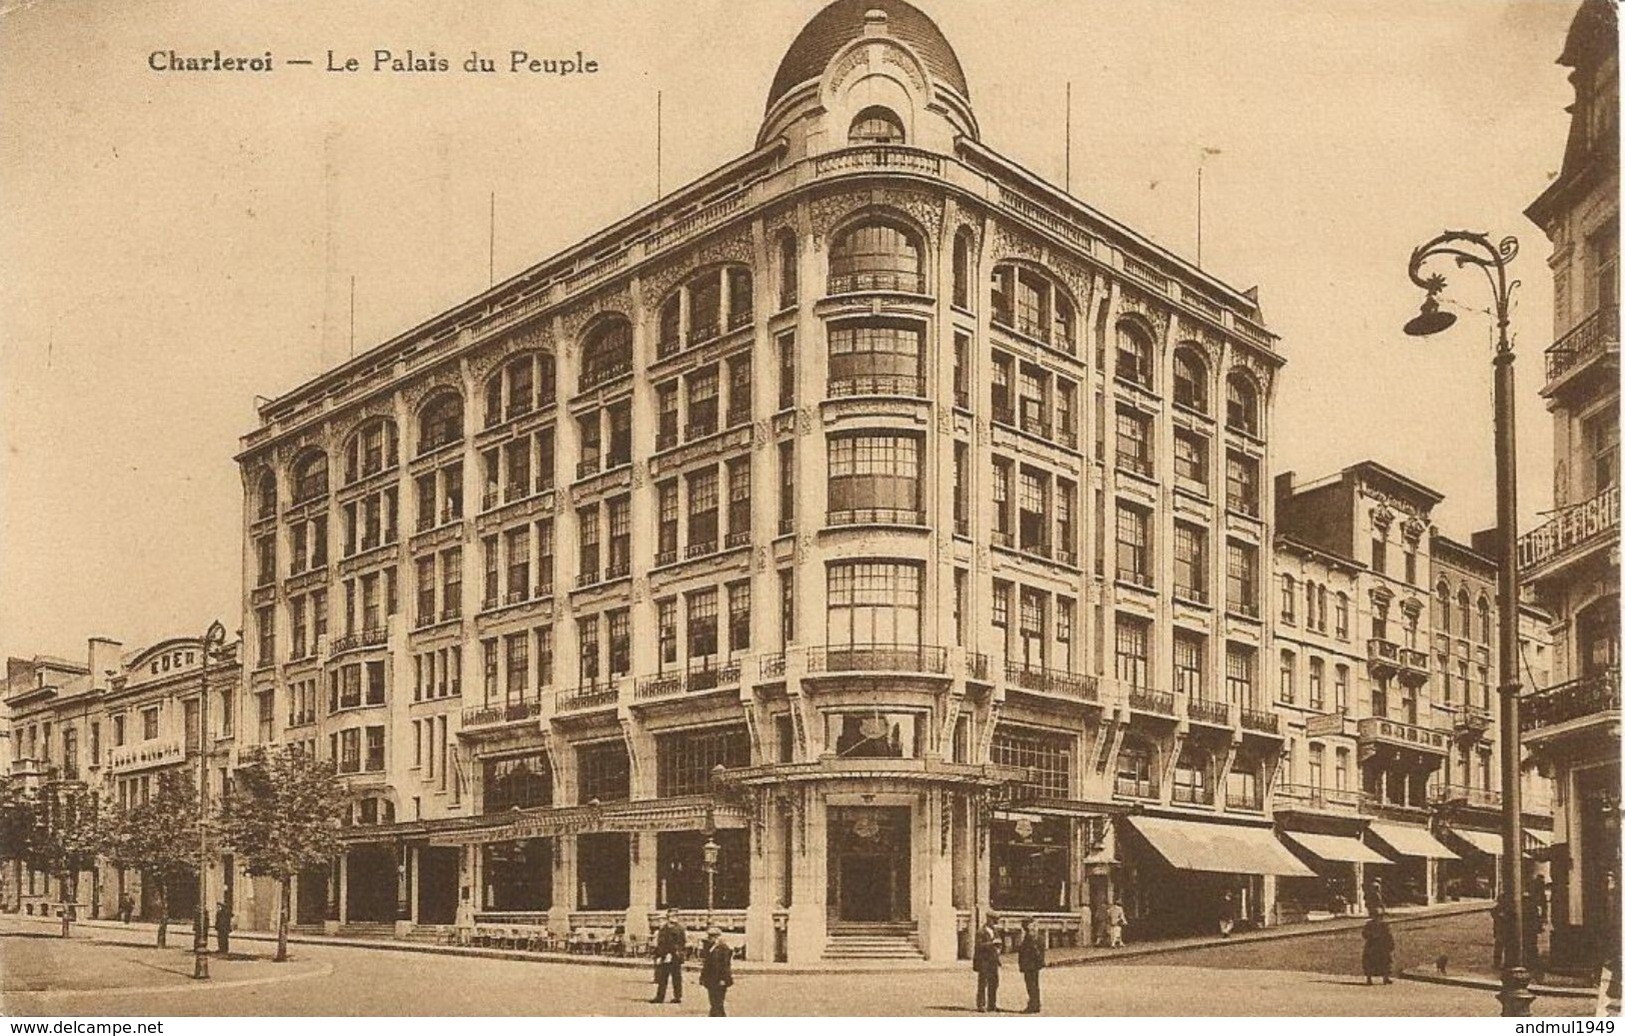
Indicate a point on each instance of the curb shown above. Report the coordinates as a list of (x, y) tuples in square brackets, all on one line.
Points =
[(1494, 985)]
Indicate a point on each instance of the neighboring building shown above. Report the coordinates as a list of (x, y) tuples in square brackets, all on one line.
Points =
[(1387, 637), (1571, 562), (114, 723), (926, 503)]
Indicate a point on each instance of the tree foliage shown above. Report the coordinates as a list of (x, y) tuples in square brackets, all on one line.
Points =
[(66, 833), (282, 817), (159, 838)]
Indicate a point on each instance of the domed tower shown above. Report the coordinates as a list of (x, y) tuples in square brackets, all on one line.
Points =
[(868, 72)]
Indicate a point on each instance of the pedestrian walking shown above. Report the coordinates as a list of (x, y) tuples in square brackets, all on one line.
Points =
[(717, 973), (1030, 958), (1378, 955), (1227, 915), (126, 907), (986, 962), (1501, 929), (222, 926), (1116, 918), (671, 943), (1374, 901)]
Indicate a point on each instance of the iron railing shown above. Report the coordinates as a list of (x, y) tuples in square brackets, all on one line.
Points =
[(878, 658), (1594, 695), (1077, 686)]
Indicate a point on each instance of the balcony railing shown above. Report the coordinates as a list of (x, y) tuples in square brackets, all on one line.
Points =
[(1590, 337), (1571, 530), (771, 666), (699, 429), (736, 539), (877, 516), (1319, 798), (1446, 794), (1472, 721), (695, 680), (1242, 800), (588, 466), (738, 415), (665, 440), (1142, 699), (976, 666), (1004, 414), (499, 713), (1075, 686), (1127, 788), (878, 658), (877, 385), (1213, 713), (1405, 735), (701, 549), (1261, 721), (594, 376), (1383, 653), (589, 696), (876, 280), (1589, 696)]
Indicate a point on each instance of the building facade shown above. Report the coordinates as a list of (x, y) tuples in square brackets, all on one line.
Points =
[(869, 509), (1571, 561)]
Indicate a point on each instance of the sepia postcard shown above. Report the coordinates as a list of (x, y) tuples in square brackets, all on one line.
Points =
[(666, 508)]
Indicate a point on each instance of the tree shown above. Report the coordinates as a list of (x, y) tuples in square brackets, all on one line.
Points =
[(281, 817), (67, 837), (17, 822), (159, 838)]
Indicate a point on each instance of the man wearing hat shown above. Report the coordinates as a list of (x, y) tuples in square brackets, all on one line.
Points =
[(986, 962), (670, 944), (717, 973)]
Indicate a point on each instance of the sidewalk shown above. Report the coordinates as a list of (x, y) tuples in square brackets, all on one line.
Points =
[(1493, 982), (1058, 956)]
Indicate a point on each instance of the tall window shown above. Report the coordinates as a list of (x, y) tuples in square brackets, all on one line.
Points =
[(739, 616), (1133, 652), (1190, 379), (702, 512), (1133, 355), (1241, 578), (440, 422), (1241, 405), (1342, 615), (1239, 665), (1133, 545), (874, 602), (1190, 562), (787, 486), (1190, 651), (666, 620), (964, 243), (702, 625), (666, 533), (1241, 484), (786, 344), (788, 274), (607, 352), (310, 476), (1190, 460), (876, 360), (1134, 441), (875, 256), (1317, 684), (604, 772), (1289, 599), (620, 537), (588, 565), (738, 502), (1289, 677), (874, 478)]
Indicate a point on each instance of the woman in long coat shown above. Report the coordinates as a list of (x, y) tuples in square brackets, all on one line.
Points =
[(1378, 956)]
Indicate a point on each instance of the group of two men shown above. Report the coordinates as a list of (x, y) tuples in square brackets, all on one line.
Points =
[(986, 961), (716, 969)]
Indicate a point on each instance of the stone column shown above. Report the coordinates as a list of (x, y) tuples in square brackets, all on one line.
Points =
[(939, 936), (767, 855), (642, 892), (1266, 903), (338, 904), (564, 884), (809, 878)]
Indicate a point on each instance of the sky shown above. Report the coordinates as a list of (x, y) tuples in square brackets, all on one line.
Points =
[(173, 245)]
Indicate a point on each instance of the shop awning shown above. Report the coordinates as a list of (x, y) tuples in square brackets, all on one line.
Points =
[(1336, 848), (1195, 845), (1487, 842), (1411, 841), (1535, 838)]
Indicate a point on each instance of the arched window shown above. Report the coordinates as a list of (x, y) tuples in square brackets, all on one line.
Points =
[(789, 274), (1289, 598), (310, 476), (1241, 412), (1464, 605), (370, 450), (718, 299), (440, 422), (962, 268), (876, 256), (1484, 619), (1190, 379), (1443, 593), (266, 495), (607, 352), (523, 383), (876, 125), (1133, 354), (1031, 303)]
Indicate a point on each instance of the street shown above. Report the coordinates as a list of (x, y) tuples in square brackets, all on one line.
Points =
[(109, 971)]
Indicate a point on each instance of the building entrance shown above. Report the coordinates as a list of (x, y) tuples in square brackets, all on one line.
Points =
[(869, 863)]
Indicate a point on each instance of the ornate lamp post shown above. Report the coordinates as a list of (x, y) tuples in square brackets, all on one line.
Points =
[(1472, 249), (711, 850), (213, 641)]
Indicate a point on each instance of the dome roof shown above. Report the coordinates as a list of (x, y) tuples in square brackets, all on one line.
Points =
[(843, 21)]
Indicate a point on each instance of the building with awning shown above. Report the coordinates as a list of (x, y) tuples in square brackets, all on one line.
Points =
[(1335, 848)]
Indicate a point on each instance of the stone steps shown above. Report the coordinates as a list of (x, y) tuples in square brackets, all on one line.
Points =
[(873, 942)]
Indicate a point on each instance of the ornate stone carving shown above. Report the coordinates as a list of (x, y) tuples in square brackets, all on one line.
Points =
[(444, 377), (1008, 244), (536, 334), (640, 589), (1133, 301), (833, 209), (1413, 529), (761, 559), (640, 474), (579, 315), (804, 420), (1382, 516), (904, 62), (734, 248)]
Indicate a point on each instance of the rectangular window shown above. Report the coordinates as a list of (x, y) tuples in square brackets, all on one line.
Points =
[(1134, 441), (739, 617), (875, 479), (702, 403), (1133, 652), (666, 617), (787, 487), (1030, 628), (1289, 677), (1190, 562), (491, 596), (666, 421), (1190, 652), (1241, 578), (786, 344), (603, 772), (1046, 758), (1317, 684), (587, 649), (685, 762), (375, 748), (702, 512), (1003, 536), (620, 435), (1033, 515), (1001, 604), (518, 564), (517, 648), (1133, 545), (544, 656), (349, 755), (587, 523), (1190, 460), (620, 537), (738, 502), (702, 624), (1066, 535), (1241, 484), (620, 642), (1238, 674), (666, 533), (739, 387), (488, 668), (787, 606)]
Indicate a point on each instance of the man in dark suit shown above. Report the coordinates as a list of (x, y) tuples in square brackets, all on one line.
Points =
[(1030, 957), (986, 962), (717, 973), (671, 942), (222, 926)]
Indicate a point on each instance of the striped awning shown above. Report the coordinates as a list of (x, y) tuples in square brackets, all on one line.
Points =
[(1196, 845), (1336, 848), (1410, 841), (1486, 842)]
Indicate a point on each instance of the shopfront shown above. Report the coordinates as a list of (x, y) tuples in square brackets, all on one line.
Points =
[(1338, 862), (1187, 876), (1411, 874), (518, 875), (1031, 863), (870, 864)]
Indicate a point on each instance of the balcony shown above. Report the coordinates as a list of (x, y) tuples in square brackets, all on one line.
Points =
[(665, 440), (878, 385), (1156, 703), (1413, 666), (878, 516), (700, 549), (618, 568), (736, 539), (1590, 697), (977, 666), (1461, 795), (877, 280), (500, 713), (1471, 723), (1383, 656), (738, 415), (1596, 335), (589, 696), (700, 429), (1056, 682), (1376, 730), (1308, 796), (588, 466), (696, 680), (1571, 532), (1261, 721), (592, 378), (1003, 414), (771, 667), (878, 658), (1212, 713)]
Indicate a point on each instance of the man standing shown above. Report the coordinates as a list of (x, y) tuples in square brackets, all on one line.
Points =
[(1030, 957), (717, 973), (1116, 918), (986, 962), (670, 944), (222, 926)]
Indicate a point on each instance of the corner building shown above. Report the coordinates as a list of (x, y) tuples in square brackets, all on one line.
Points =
[(870, 509)]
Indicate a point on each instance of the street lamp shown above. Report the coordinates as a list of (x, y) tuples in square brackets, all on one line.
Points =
[(711, 850), (1472, 249), (213, 640)]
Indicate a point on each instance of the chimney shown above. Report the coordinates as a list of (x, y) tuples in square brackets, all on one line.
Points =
[(104, 662)]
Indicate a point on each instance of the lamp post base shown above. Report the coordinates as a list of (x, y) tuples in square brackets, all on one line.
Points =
[(1515, 996)]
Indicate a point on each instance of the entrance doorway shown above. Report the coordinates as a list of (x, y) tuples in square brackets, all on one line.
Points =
[(437, 884), (869, 863), (370, 875)]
